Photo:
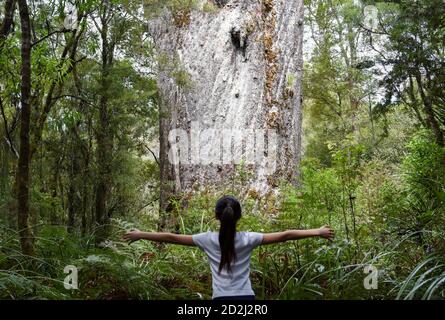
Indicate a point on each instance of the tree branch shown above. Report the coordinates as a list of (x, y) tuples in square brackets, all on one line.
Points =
[(153, 154), (56, 85), (73, 97), (49, 35), (7, 133)]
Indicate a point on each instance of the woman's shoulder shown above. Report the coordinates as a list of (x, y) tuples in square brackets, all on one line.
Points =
[(243, 234), (251, 238), (247, 233)]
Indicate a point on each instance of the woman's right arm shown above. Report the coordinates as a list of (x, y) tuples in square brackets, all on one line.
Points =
[(168, 237), (324, 232)]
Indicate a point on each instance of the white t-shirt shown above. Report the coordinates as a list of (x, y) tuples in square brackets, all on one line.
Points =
[(237, 282)]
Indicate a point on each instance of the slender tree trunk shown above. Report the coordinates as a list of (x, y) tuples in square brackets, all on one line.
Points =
[(74, 203), (4, 183), (23, 181), (4, 169), (230, 84), (75, 175), (85, 192), (7, 21), (5, 30), (428, 107), (352, 78), (84, 222), (85, 161), (414, 103), (71, 209), (53, 183), (104, 139)]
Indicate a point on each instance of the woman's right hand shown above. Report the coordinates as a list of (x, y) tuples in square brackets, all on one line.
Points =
[(132, 236), (327, 233)]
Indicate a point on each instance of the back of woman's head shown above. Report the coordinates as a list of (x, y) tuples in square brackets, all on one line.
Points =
[(228, 212)]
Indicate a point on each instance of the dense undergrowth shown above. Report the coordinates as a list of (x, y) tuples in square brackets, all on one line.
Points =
[(391, 219)]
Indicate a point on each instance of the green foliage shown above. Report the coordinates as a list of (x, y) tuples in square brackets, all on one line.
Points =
[(152, 8), (424, 166), (414, 33), (209, 7), (174, 68), (375, 174), (425, 281), (309, 269)]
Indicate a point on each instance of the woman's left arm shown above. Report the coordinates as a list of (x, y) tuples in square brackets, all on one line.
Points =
[(168, 237)]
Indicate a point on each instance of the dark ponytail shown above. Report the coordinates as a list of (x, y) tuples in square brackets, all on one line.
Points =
[(228, 212)]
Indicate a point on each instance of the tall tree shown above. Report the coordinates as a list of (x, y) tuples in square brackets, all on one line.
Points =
[(415, 55), (121, 41), (104, 136), (233, 65), (25, 232), (37, 98)]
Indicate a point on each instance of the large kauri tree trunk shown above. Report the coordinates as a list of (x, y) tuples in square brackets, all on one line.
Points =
[(229, 75)]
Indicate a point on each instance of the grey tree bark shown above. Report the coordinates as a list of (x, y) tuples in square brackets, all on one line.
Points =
[(238, 68)]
